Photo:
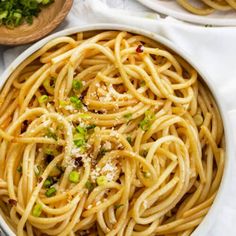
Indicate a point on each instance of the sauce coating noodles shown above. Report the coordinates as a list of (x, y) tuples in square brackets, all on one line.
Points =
[(107, 133), (208, 6)]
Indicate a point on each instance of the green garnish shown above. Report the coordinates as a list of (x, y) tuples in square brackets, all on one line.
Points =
[(77, 84), (19, 169), (15, 12), (118, 206), (74, 176), (90, 127), (129, 139), (51, 192), (51, 134), (85, 116), (79, 140), (43, 99), (146, 122), (48, 182), (128, 116), (90, 186), (76, 102), (37, 210), (81, 130), (101, 180)]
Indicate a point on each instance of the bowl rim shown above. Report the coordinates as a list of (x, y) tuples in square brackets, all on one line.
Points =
[(210, 217), (43, 32)]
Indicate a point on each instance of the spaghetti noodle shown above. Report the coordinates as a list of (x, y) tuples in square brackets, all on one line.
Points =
[(208, 6), (107, 133)]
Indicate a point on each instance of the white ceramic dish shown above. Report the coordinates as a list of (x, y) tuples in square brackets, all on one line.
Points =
[(171, 8), (204, 227)]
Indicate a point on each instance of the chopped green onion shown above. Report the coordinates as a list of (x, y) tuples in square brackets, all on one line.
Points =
[(51, 134), (74, 176), (129, 139), (90, 186), (48, 182), (90, 127), (81, 130), (101, 180), (77, 84), (37, 210), (145, 124), (77, 103), (43, 99), (79, 140), (15, 12), (128, 116), (51, 192)]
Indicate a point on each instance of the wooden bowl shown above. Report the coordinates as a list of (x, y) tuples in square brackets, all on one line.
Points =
[(48, 19)]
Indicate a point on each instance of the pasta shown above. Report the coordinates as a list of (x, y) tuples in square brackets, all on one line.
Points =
[(208, 6), (107, 133)]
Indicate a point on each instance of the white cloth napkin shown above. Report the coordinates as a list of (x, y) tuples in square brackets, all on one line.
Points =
[(212, 49)]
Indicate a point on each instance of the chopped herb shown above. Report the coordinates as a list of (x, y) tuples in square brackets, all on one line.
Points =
[(51, 134), (74, 176), (89, 185), (90, 127), (77, 84), (51, 192), (146, 122), (118, 206), (19, 169), (15, 12), (101, 180), (48, 182), (37, 210), (129, 139), (81, 130), (79, 140), (43, 99), (128, 116), (77, 103)]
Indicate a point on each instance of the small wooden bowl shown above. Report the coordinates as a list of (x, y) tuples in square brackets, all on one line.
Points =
[(48, 19)]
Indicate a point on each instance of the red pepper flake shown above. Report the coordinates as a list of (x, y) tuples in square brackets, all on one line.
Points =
[(12, 202), (139, 49), (40, 179)]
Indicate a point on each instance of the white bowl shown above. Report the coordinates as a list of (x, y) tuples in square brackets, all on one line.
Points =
[(172, 8), (203, 228)]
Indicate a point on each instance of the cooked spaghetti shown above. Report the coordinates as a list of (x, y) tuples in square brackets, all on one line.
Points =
[(107, 133), (208, 6)]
